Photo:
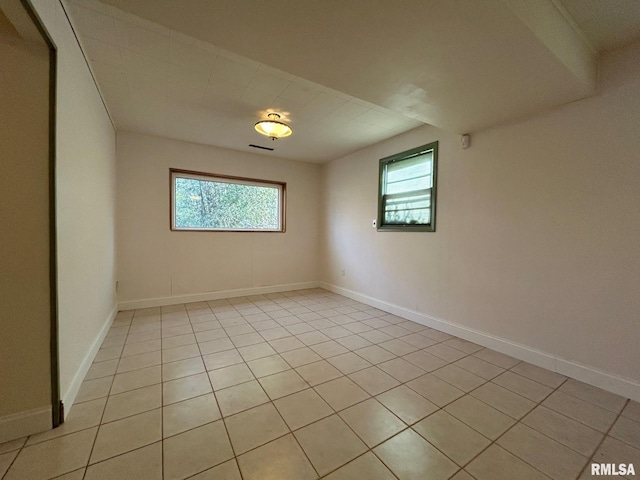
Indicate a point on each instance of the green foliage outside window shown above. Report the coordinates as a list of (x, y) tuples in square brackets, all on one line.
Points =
[(221, 205)]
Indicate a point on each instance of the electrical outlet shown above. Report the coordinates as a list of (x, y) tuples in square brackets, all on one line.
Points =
[(342, 272), (374, 223)]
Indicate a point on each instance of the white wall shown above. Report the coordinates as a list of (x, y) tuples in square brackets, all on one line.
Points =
[(537, 232), (159, 266), (85, 183)]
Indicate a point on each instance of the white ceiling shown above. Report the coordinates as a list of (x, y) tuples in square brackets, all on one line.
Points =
[(205, 70)]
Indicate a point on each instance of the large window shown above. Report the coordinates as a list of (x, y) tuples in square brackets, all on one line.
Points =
[(407, 190), (202, 201)]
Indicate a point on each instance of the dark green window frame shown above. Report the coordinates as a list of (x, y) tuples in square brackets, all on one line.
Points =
[(418, 197)]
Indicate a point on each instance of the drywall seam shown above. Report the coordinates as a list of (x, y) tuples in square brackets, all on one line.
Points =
[(21, 424), (607, 381), (203, 297), (69, 397)]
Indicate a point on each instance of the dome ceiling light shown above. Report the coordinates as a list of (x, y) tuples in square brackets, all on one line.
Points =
[(273, 127)]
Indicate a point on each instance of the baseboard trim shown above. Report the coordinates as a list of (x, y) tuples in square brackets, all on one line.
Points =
[(19, 425), (207, 296), (69, 395), (622, 386)]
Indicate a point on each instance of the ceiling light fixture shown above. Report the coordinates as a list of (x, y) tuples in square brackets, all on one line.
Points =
[(273, 127)]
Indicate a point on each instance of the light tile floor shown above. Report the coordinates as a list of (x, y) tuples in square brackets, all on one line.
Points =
[(310, 384)]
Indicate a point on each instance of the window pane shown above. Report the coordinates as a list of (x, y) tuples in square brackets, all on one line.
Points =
[(407, 192), (408, 209), (209, 204)]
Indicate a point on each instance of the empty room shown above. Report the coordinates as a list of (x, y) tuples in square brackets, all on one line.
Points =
[(286, 240)]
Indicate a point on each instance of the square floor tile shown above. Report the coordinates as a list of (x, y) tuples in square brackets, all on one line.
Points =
[(425, 360), (142, 347), (408, 405), (479, 367), (301, 356), (101, 370), (594, 395), (283, 383), (225, 471), (93, 389), (247, 339), (215, 346), (462, 345), (480, 416), (145, 377), (133, 402), (127, 434), (180, 353), (503, 400), (222, 359), (375, 354), (374, 380), (397, 347), (367, 466), (626, 430), (632, 410), (543, 453), (409, 456), (348, 362), (286, 344), (568, 432), (185, 387), (452, 437), (144, 463), (401, 370), (54, 457), (328, 349), (255, 427), (302, 408), (268, 366), (83, 416), (435, 390), (341, 393), (229, 376), (182, 368), (282, 459), (312, 338), (497, 358), (259, 350), (459, 378), (204, 336), (353, 342), (194, 412), (495, 463), (318, 372), (241, 397), (523, 386), (540, 375), (372, 422), (584, 412), (196, 450), (329, 443), (136, 362)]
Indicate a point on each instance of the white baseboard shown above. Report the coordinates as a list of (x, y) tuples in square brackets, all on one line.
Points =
[(622, 386), (19, 425), (70, 393), (207, 296)]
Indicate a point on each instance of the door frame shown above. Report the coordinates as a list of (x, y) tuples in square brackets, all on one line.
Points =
[(57, 408)]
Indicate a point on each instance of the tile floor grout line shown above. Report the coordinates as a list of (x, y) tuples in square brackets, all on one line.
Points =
[(495, 442), (604, 437), (226, 429)]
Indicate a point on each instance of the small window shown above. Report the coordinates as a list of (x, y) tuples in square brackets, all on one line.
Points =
[(407, 190), (203, 201)]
